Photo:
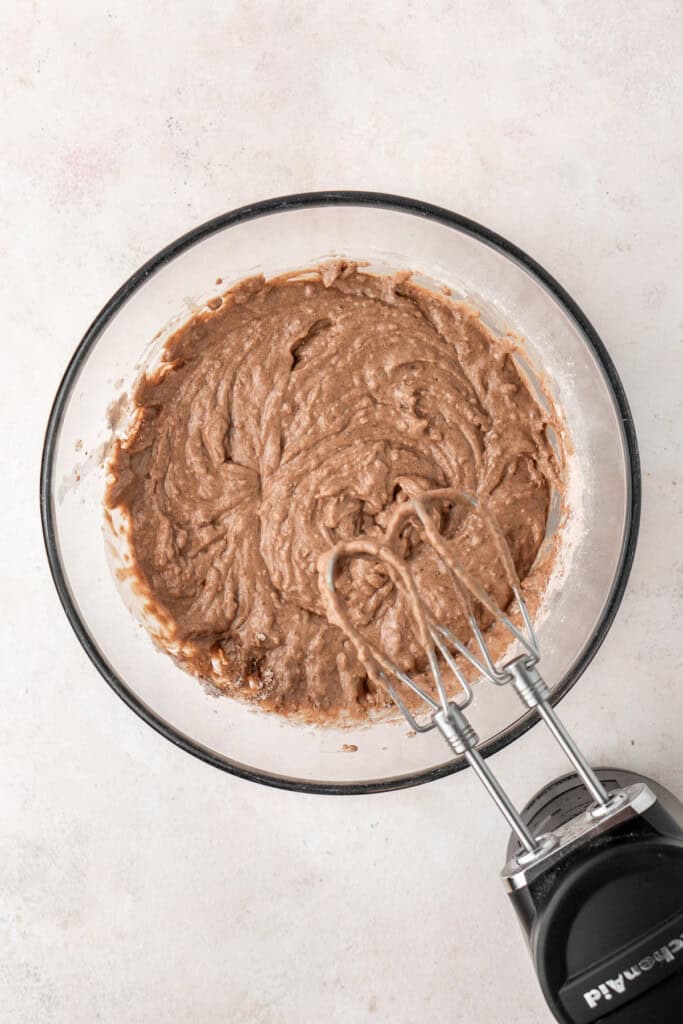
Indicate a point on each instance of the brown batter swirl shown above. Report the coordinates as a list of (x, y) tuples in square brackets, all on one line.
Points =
[(299, 414)]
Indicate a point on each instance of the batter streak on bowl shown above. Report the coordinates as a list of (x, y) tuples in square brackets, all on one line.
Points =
[(295, 415)]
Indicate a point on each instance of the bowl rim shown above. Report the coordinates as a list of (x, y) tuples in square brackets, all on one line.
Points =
[(282, 204)]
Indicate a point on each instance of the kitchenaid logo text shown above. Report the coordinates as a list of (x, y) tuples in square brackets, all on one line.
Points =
[(612, 987)]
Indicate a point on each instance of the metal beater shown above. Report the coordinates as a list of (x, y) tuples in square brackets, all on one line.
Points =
[(571, 851), (521, 672)]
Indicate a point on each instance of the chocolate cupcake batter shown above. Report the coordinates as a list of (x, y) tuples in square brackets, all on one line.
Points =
[(300, 413)]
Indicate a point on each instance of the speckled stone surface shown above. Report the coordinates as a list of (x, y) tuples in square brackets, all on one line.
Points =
[(136, 883)]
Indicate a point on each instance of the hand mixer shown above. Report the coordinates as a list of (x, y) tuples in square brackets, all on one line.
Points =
[(595, 860)]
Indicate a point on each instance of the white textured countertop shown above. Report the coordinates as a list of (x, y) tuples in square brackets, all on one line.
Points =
[(136, 883)]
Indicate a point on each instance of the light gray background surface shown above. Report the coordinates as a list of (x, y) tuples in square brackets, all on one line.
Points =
[(137, 884)]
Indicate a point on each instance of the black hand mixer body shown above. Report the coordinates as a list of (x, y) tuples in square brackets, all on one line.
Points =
[(603, 911)]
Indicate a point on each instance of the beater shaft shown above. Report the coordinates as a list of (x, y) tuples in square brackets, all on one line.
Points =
[(502, 801), (447, 713)]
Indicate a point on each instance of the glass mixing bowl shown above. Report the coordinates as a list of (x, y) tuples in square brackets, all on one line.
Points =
[(513, 294)]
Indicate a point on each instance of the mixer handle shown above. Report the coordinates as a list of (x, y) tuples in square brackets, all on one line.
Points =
[(643, 980), (605, 922)]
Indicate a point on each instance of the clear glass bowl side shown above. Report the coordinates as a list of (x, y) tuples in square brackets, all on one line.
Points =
[(512, 298)]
